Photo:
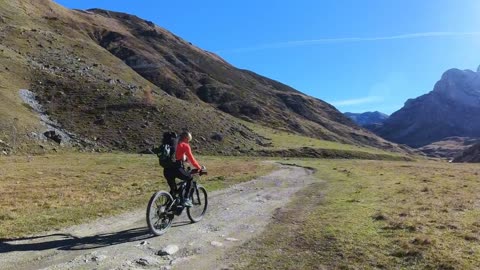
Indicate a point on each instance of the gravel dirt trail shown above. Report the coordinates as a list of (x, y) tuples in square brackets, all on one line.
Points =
[(234, 215)]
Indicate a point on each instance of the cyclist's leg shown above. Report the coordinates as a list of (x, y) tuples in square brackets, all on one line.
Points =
[(170, 176), (182, 174)]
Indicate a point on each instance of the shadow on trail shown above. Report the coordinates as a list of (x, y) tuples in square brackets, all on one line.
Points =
[(181, 223), (71, 242)]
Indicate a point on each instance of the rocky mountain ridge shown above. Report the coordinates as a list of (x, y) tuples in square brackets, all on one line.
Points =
[(451, 109)]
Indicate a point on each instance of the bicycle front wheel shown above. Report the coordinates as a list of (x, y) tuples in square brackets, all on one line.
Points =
[(159, 218), (200, 203)]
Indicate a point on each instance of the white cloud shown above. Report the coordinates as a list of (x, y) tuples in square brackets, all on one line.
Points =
[(357, 101), (300, 43)]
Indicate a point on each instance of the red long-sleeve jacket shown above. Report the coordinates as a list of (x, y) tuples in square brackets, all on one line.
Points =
[(183, 149)]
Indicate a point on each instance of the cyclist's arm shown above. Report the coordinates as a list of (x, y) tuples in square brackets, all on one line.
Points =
[(191, 159)]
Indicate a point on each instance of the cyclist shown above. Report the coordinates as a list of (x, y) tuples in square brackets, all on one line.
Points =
[(183, 153)]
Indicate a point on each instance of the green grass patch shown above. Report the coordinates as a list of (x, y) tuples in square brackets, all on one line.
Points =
[(287, 144), (53, 191), (375, 215)]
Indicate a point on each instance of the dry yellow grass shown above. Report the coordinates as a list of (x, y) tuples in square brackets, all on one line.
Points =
[(48, 192)]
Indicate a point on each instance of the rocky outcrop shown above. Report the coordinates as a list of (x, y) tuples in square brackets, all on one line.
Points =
[(472, 154), (450, 147), (451, 109)]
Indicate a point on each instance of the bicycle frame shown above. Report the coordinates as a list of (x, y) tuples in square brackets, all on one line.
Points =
[(181, 186), (174, 207)]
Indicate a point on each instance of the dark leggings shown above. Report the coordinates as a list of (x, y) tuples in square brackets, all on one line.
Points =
[(180, 173)]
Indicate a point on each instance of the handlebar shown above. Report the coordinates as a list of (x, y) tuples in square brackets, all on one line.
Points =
[(199, 172)]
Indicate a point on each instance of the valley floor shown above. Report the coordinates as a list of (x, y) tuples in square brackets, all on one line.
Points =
[(349, 214)]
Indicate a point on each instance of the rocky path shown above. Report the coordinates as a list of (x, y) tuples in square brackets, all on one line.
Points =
[(234, 215)]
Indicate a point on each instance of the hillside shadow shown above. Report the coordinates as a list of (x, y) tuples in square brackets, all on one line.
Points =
[(71, 242)]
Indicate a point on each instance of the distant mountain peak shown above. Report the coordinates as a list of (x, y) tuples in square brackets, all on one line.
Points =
[(451, 109), (460, 86), (367, 118)]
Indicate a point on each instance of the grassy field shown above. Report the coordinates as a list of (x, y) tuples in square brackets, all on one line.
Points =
[(282, 140), (375, 215), (49, 192)]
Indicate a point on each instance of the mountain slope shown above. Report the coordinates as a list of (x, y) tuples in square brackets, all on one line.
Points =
[(451, 109), (449, 147), (472, 154), (118, 81)]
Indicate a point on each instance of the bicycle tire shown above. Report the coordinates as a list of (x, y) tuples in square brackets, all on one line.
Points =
[(160, 212), (199, 204)]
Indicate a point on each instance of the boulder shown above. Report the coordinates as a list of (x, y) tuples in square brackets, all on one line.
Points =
[(217, 137), (168, 250), (52, 135), (216, 244)]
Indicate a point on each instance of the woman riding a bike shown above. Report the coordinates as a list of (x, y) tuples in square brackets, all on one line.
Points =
[(183, 153)]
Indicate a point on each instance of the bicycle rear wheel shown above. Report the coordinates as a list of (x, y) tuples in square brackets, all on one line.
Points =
[(159, 218), (200, 203)]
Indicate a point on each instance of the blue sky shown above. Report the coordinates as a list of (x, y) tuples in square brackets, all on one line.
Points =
[(359, 55)]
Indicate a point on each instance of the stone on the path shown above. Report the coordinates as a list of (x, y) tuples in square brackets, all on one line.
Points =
[(98, 258), (168, 250), (260, 200), (142, 261), (148, 261), (231, 239), (216, 244), (4, 144)]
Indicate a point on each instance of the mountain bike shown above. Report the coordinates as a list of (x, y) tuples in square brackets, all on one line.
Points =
[(163, 207)]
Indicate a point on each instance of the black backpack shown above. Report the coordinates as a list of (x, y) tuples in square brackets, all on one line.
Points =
[(166, 151)]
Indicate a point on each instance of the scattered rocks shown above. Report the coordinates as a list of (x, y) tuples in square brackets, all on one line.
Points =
[(217, 137), (216, 244), (3, 144), (147, 261), (98, 258), (100, 121), (260, 199), (212, 228), (168, 250), (379, 216), (232, 239), (146, 124), (142, 261), (148, 142), (52, 135)]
